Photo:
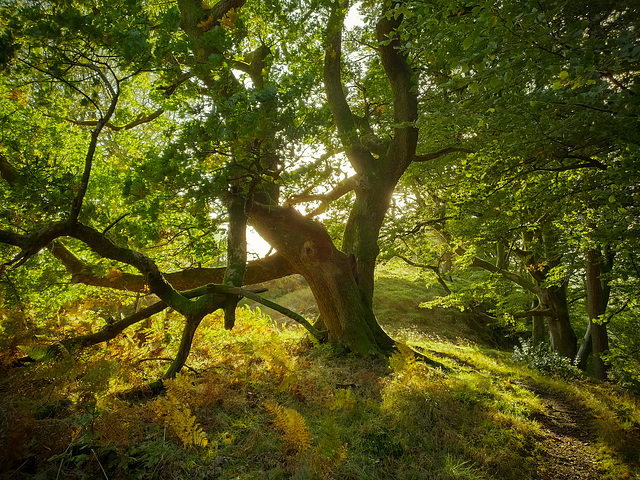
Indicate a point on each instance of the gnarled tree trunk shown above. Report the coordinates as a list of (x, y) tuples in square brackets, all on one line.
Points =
[(345, 312)]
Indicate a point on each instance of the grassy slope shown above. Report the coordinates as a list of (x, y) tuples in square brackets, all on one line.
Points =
[(272, 405)]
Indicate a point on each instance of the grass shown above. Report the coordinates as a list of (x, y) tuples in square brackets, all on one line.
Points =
[(271, 405)]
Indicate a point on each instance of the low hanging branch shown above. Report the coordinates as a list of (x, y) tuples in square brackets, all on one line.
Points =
[(253, 295), (112, 331), (221, 291), (257, 271)]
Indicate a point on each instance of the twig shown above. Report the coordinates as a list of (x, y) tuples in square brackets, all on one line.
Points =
[(167, 359), (101, 467), (66, 450), (112, 224)]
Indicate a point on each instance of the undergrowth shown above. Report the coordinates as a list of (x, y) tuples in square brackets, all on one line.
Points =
[(258, 402)]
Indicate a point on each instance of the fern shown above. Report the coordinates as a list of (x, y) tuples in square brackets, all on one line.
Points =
[(173, 408), (293, 428), (403, 360), (342, 399), (331, 452)]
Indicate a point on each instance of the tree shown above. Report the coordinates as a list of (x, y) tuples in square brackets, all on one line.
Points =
[(545, 95), (180, 118)]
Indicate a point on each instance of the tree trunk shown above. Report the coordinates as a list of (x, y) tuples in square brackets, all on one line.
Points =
[(345, 311), (538, 330), (562, 337), (585, 350), (501, 255), (597, 299), (362, 230), (236, 253)]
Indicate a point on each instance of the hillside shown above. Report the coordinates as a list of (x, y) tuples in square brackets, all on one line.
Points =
[(262, 401)]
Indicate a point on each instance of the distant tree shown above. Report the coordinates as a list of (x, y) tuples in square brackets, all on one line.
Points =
[(545, 96)]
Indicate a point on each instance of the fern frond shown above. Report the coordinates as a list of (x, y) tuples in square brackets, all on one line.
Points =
[(174, 409), (402, 360), (293, 428)]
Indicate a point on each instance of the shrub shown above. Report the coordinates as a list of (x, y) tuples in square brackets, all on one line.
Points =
[(540, 358)]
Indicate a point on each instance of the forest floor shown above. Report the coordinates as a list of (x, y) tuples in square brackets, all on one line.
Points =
[(567, 438), (264, 402)]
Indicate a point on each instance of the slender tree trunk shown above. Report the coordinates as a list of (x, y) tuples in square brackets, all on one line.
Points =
[(597, 299), (501, 255), (236, 253), (538, 330), (585, 349)]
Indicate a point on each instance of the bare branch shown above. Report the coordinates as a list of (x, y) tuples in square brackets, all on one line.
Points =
[(433, 268)]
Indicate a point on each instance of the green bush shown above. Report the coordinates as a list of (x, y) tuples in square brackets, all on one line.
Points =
[(540, 358)]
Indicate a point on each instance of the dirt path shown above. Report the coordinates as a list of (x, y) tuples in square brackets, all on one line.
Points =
[(566, 453)]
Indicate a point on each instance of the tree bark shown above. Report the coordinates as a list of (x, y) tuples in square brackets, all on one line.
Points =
[(552, 299), (538, 331), (562, 337), (380, 175), (190, 327), (236, 254), (306, 244), (597, 300), (585, 349)]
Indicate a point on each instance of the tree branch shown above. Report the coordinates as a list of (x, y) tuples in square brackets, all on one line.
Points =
[(139, 121), (112, 331), (84, 183), (257, 271), (514, 277), (440, 153), (343, 117), (402, 80), (340, 190), (433, 268)]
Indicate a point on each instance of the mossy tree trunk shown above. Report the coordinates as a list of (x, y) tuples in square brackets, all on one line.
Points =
[(346, 313)]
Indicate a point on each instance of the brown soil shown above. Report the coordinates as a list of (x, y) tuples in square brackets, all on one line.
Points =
[(566, 452)]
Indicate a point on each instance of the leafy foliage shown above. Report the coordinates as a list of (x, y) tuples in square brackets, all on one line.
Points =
[(174, 409), (541, 359), (294, 431)]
